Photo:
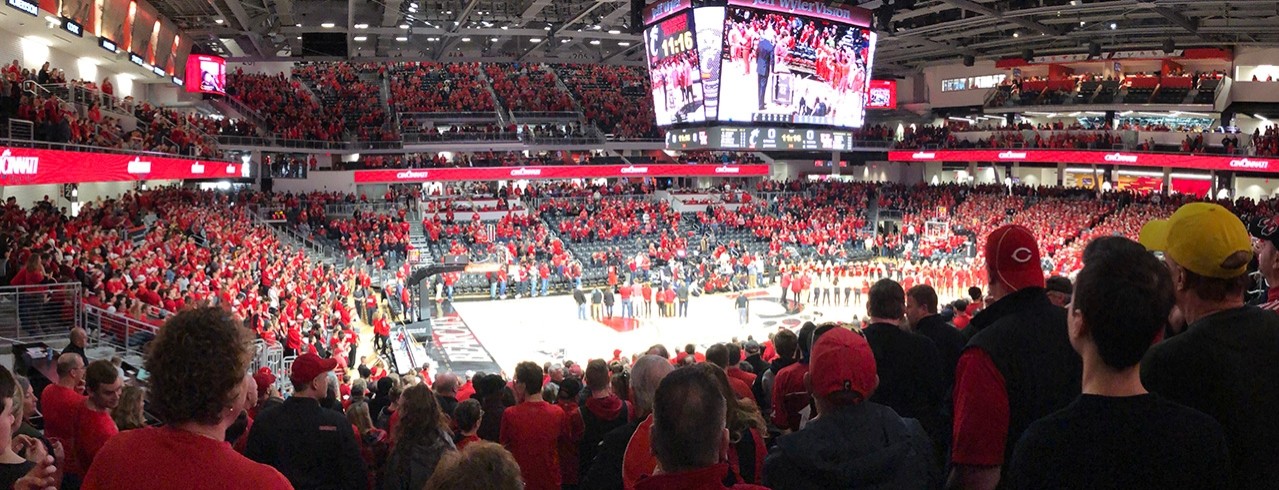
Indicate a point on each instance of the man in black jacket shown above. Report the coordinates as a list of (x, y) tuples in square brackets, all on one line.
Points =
[(313, 447), (1018, 366), (1223, 364), (579, 297), (909, 367), (606, 471), (921, 311)]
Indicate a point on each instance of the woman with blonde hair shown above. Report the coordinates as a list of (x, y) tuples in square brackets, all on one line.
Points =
[(128, 413), (374, 443)]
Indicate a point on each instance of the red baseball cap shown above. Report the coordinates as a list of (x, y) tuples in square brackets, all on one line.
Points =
[(264, 379), (1012, 255), (309, 366), (842, 361)]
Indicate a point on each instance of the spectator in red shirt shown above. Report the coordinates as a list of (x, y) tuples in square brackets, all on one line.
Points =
[(603, 410), (571, 466), (718, 355), (689, 434), (790, 395), (532, 430), (381, 334), (93, 422), (59, 401), (197, 388), (1018, 367)]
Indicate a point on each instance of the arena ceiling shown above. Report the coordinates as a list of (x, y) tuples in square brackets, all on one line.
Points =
[(913, 33)]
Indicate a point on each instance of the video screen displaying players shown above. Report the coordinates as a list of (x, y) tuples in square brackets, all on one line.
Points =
[(780, 68), (675, 72)]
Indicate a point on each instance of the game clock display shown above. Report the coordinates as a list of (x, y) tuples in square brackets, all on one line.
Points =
[(755, 62)]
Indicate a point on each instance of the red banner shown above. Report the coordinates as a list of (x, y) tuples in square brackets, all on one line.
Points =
[(557, 172), (1198, 162), (26, 166)]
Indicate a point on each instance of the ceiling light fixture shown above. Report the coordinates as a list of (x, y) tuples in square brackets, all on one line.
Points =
[(404, 26), (494, 39), (623, 43), (595, 42), (1113, 26), (614, 32), (466, 39), (402, 38), (218, 21), (361, 38), (535, 40), (1016, 34), (361, 26), (327, 25)]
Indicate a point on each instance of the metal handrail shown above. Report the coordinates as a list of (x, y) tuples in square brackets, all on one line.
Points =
[(462, 116), (127, 334), (45, 145)]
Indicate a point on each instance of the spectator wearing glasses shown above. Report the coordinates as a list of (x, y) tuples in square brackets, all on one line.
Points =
[(1116, 434), (59, 401), (1223, 364)]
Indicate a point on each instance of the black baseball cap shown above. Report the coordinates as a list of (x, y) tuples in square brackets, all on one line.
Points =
[(1265, 229)]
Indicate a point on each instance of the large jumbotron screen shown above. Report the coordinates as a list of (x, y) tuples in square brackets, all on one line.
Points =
[(753, 62)]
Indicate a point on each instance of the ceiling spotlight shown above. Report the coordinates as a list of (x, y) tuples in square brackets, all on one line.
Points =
[(299, 38), (614, 32), (1016, 34), (595, 42), (1113, 26), (547, 28), (1082, 22), (401, 38), (327, 25), (493, 39), (535, 40), (623, 43), (297, 25), (404, 26), (218, 21), (361, 26), (505, 28), (361, 38), (562, 41), (466, 39)]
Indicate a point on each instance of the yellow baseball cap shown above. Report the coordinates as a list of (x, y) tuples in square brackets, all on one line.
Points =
[(1205, 238)]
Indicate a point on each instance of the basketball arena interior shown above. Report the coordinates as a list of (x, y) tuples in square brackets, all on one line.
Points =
[(598, 244)]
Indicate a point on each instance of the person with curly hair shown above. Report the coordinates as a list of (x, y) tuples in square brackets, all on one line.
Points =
[(481, 466), (421, 439), (198, 364)]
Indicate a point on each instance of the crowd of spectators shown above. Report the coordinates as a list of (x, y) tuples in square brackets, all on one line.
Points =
[(284, 105), (438, 87), (614, 98), (527, 87), (348, 98)]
